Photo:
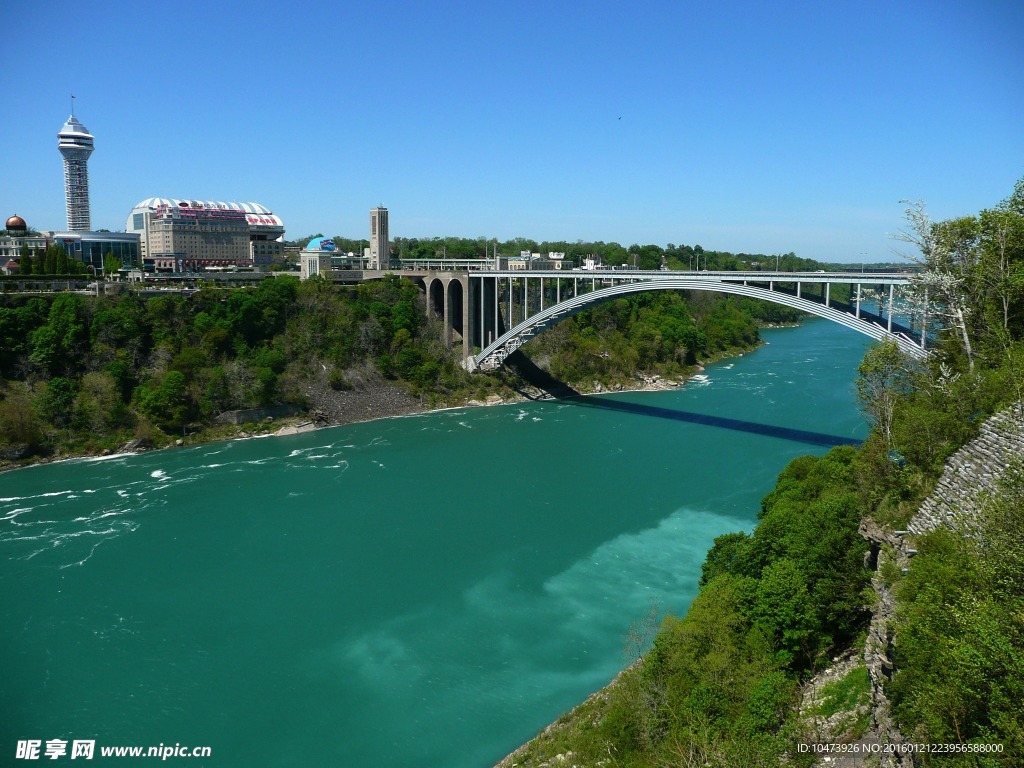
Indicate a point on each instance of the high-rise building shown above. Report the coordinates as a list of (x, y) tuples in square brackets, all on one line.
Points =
[(75, 143), (380, 250)]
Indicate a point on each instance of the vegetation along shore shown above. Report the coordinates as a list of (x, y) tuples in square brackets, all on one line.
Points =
[(878, 602), (88, 375)]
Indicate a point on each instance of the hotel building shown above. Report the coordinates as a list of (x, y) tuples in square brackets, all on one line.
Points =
[(186, 235)]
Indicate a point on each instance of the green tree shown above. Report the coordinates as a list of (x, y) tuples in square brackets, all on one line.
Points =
[(946, 284), (111, 264), (167, 403), (783, 611), (56, 403), (24, 261), (99, 407), (19, 424), (62, 342), (883, 377), (1002, 262)]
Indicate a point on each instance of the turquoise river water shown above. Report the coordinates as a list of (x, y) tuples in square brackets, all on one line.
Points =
[(421, 591)]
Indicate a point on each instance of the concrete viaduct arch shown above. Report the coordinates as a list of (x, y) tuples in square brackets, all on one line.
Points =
[(449, 298)]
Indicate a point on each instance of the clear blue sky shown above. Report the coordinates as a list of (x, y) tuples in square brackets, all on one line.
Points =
[(742, 126)]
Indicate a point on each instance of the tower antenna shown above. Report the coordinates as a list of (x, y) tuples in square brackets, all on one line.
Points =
[(72, 103)]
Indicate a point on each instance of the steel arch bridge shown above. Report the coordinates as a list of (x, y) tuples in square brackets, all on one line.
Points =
[(767, 286)]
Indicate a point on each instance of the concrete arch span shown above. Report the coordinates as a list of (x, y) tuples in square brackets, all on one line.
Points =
[(493, 356)]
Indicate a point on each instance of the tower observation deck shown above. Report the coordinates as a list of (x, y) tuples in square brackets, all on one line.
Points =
[(75, 143)]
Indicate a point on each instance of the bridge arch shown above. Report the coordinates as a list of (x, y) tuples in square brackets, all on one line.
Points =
[(493, 355), (445, 296), (434, 289)]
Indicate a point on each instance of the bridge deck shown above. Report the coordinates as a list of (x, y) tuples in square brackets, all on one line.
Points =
[(846, 278)]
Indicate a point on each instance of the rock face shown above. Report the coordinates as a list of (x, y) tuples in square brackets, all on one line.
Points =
[(886, 547), (971, 475), (370, 396), (833, 728)]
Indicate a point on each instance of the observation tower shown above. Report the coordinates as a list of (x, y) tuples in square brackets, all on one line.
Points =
[(75, 143)]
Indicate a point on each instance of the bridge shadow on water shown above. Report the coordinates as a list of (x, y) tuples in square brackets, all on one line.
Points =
[(563, 393), (751, 427)]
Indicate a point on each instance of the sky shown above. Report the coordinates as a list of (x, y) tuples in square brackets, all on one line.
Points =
[(756, 127)]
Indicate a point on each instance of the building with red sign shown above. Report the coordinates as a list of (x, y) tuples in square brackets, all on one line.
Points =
[(192, 235)]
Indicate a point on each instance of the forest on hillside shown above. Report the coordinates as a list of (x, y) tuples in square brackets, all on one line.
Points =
[(82, 374), (722, 685)]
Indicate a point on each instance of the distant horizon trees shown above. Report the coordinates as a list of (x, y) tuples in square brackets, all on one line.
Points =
[(645, 257)]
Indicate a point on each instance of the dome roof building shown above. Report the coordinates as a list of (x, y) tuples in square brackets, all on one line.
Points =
[(16, 225), (320, 244)]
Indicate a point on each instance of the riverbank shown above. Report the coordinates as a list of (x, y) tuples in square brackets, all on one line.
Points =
[(368, 397)]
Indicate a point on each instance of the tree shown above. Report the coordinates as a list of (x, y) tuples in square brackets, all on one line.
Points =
[(50, 260), (1002, 258), (63, 264), (18, 422), (111, 264), (166, 404), (882, 379), (783, 611), (24, 261), (60, 344), (949, 252), (56, 403)]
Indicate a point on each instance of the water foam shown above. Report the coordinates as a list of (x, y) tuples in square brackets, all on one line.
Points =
[(555, 637)]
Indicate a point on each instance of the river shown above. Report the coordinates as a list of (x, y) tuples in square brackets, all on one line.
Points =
[(420, 591)]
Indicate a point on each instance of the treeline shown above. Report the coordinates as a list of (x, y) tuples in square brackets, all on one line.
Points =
[(721, 686), (85, 374), (54, 260), (649, 257)]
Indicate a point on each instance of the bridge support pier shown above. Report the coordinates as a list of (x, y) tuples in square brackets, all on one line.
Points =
[(892, 301), (448, 297)]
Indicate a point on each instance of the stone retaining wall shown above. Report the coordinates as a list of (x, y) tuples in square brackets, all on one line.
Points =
[(973, 473)]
